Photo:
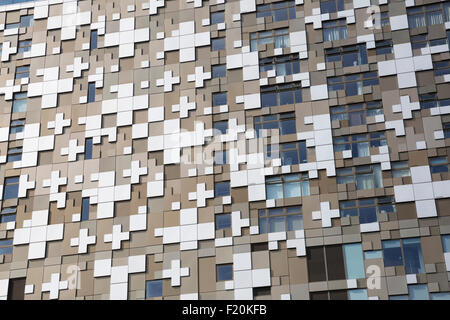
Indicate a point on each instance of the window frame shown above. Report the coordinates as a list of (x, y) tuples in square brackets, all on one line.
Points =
[(266, 215)]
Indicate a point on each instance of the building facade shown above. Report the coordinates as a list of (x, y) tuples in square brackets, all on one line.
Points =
[(224, 149)]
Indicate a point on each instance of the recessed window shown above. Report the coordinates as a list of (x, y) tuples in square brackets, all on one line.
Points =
[(430, 100), (334, 30), (285, 122), (24, 46), (281, 94), (223, 221), (219, 71), (290, 152), (17, 126), (367, 209), (20, 102), (411, 257), (224, 272), (217, 17), (153, 289), (428, 15), (359, 144), (88, 149), (353, 84), (94, 39), (26, 21), (221, 157), (283, 65), (400, 169), (438, 164), (441, 68), (278, 37), (8, 215), (6, 246), (23, 72), (14, 154), (287, 186), (85, 203), (220, 127), (349, 56), (331, 6), (418, 292), (279, 11), (222, 189), (91, 92), (11, 188), (366, 177), (217, 44), (383, 47), (219, 99), (355, 114), (280, 219)]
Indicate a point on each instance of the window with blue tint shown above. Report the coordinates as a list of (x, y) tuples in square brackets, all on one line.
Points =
[(88, 149), (285, 122), (349, 55), (222, 189), (287, 186), (217, 44), (430, 100), (6, 2), (293, 153), (281, 94), (91, 92), (8, 215), (219, 99), (219, 71), (6, 246), (16, 126), (412, 252), (282, 65), (14, 154), (220, 127), (441, 68), (438, 164), (383, 47), (354, 261), (418, 292), (280, 219), (331, 6), (278, 37), (23, 72), (224, 272), (367, 209), (11, 188), (440, 296), (221, 157), (279, 11), (377, 254), (217, 17), (24, 46), (359, 144), (400, 169), (358, 294), (94, 40), (153, 289), (392, 252), (20, 102), (366, 177), (353, 84), (26, 21), (85, 202), (223, 221), (401, 297), (446, 242), (428, 15), (334, 30), (355, 114)]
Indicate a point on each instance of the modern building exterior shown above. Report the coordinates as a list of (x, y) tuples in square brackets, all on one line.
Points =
[(224, 149)]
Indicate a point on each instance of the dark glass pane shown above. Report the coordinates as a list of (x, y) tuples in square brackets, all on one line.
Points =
[(223, 221), (154, 288), (224, 272), (316, 264), (268, 99), (88, 149), (287, 127), (222, 189), (218, 44)]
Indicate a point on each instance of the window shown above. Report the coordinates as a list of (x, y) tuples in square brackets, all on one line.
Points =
[(219, 71), (279, 37), (219, 99), (220, 127), (329, 295), (26, 21), (283, 65), (353, 84), (446, 127), (14, 154), (217, 17), (281, 94), (400, 169), (6, 2), (375, 254), (446, 243), (430, 100), (383, 47), (356, 114), (19, 102), (91, 92), (384, 19), (280, 219), (24, 46), (358, 294), (359, 144), (22, 72), (438, 164), (440, 296), (94, 39), (6, 246), (287, 186), (88, 149), (224, 272), (153, 289), (349, 55), (217, 44), (8, 215), (366, 209), (325, 263), (1, 48), (285, 122), (16, 126), (222, 189), (11, 188), (418, 292), (279, 11), (221, 157), (290, 152), (223, 221), (16, 289), (12, 26), (421, 41), (428, 15), (85, 202), (441, 68), (262, 292), (331, 6), (412, 254), (334, 30), (366, 177)]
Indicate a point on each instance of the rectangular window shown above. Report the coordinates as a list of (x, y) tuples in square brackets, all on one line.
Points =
[(440, 296), (219, 71), (349, 55), (280, 219), (220, 127), (217, 17), (279, 38), (88, 149), (367, 209), (315, 258), (23, 72), (285, 122), (221, 157), (353, 84), (6, 246), (441, 68), (20, 102), (16, 126), (422, 41), (359, 144), (290, 153), (24, 46), (438, 164), (1, 48), (94, 39), (11, 188), (16, 289), (26, 21), (8, 215), (383, 47), (384, 19), (428, 15), (334, 30), (14, 154), (356, 114), (283, 65), (279, 11), (85, 203), (418, 292), (91, 92), (281, 94), (287, 186), (430, 100), (224, 272), (331, 6), (354, 261), (446, 129), (223, 221), (325, 263), (217, 44), (400, 169), (153, 289), (412, 254), (219, 99), (446, 243), (366, 177), (222, 189), (358, 294)]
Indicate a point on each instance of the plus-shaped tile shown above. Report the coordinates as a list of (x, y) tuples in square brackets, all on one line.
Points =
[(406, 107), (135, 172), (184, 107), (168, 81), (7, 50), (317, 18), (199, 77), (10, 89), (72, 150), (77, 67), (116, 237), (83, 241), (233, 130), (25, 185), (154, 5), (59, 123), (54, 182), (54, 286), (325, 214), (175, 273), (201, 195)]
